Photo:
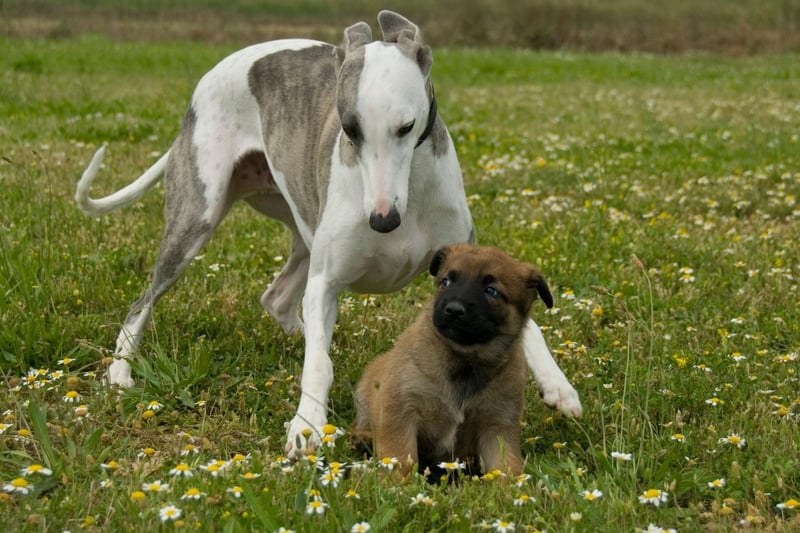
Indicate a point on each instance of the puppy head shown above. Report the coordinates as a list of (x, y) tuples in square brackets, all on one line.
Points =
[(483, 294)]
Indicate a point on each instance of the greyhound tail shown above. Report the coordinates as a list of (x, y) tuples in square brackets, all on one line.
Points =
[(128, 194)]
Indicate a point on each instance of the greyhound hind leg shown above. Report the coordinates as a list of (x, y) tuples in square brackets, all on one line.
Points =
[(282, 297), (180, 245), (187, 230)]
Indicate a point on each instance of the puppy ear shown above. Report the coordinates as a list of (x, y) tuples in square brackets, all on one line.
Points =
[(438, 260), (537, 285)]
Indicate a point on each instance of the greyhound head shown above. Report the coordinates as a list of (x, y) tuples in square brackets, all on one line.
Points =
[(386, 107)]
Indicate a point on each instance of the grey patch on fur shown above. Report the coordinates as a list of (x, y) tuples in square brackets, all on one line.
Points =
[(438, 135), (295, 90), (439, 138), (346, 97), (185, 204)]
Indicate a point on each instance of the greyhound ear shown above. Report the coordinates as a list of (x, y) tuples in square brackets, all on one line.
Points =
[(438, 260), (356, 36), (393, 25), (338, 57), (398, 29), (537, 285), (421, 53)]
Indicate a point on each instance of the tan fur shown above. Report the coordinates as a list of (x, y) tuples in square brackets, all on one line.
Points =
[(408, 401)]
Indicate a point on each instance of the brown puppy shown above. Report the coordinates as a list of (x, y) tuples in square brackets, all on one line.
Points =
[(453, 385)]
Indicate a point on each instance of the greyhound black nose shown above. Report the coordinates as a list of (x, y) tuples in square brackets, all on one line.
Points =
[(385, 223), (454, 310)]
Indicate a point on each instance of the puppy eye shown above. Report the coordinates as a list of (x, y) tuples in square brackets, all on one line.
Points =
[(491, 291), (405, 129), (445, 282)]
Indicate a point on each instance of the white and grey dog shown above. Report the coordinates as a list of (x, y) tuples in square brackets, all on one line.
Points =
[(345, 147)]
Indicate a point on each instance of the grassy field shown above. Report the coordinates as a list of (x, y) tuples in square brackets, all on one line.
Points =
[(659, 195), (739, 27)]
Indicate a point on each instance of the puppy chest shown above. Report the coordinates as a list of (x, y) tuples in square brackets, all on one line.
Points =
[(438, 432)]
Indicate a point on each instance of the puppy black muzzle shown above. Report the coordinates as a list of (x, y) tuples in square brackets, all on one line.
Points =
[(464, 317)]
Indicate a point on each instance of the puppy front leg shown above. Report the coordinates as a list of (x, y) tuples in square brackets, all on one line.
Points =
[(396, 440), (557, 392), (319, 313), (499, 449)]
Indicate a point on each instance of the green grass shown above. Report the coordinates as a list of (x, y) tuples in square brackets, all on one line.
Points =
[(658, 195)]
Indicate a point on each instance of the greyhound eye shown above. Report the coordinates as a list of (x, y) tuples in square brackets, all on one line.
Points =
[(352, 131), (405, 129)]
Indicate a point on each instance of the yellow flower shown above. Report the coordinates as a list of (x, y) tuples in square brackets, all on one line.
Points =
[(19, 485), (591, 495), (388, 462), (791, 503), (734, 440), (137, 496), (523, 499), (36, 469), (71, 396), (181, 469), (155, 486), (192, 494), (654, 497)]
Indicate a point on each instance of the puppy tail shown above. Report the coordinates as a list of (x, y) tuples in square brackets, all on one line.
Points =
[(127, 195)]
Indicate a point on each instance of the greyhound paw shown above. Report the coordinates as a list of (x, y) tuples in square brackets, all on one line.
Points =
[(119, 373), (562, 396), (302, 438)]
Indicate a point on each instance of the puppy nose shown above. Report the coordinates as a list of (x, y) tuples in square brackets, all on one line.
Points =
[(454, 310)]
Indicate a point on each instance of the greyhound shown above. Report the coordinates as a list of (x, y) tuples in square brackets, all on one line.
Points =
[(343, 145)]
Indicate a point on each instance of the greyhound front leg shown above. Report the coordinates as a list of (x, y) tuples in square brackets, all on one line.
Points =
[(557, 392), (319, 314)]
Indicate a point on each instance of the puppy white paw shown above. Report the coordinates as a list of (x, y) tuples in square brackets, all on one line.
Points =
[(562, 396), (302, 437)]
